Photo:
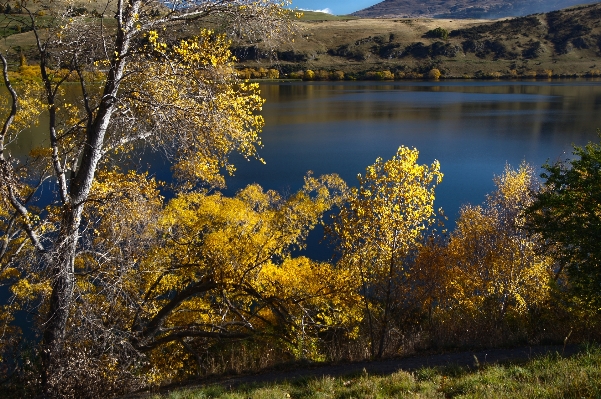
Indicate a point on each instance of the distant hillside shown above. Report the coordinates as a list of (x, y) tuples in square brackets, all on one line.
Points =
[(560, 44), (488, 9)]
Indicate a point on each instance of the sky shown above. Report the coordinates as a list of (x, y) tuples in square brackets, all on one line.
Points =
[(336, 7)]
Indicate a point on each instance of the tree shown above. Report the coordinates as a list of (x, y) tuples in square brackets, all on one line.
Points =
[(567, 214), (134, 85), (379, 227), (199, 270), (439, 33), (434, 74), (495, 269)]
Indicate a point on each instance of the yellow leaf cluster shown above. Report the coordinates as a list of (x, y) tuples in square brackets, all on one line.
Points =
[(189, 93), (385, 217)]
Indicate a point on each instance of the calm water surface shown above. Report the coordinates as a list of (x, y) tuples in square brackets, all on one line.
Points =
[(474, 128)]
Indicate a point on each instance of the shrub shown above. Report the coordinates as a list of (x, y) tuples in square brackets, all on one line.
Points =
[(309, 75), (534, 50), (263, 72), (337, 75), (254, 74), (439, 33), (273, 74), (386, 75), (29, 72), (245, 73), (434, 74), (322, 75), (379, 75), (418, 50)]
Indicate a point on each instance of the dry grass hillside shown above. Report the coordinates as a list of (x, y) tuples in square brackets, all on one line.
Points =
[(560, 43)]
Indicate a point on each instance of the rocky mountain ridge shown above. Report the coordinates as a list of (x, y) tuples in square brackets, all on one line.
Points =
[(488, 9)]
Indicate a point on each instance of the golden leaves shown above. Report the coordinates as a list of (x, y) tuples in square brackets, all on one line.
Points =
[(26, 290), (385, 216), (190, 96), (29, 107), (243, 244), (492, 258)]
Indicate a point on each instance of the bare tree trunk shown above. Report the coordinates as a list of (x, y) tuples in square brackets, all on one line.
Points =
[(74, 195), (62, 280), (384, 327)]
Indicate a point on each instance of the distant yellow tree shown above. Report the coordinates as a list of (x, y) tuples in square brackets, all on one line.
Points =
[(273, 74), (263, 72), (434, 74)]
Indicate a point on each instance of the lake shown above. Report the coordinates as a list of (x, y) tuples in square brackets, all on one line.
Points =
[(472, 127)]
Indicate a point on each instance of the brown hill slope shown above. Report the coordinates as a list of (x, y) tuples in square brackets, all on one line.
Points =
[(489, 9), (561, 43)]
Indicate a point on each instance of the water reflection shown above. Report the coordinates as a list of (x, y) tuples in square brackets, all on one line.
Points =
[(472, 127)]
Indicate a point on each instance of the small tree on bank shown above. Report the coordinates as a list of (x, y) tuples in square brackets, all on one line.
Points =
[(378, 229), (567, 214)]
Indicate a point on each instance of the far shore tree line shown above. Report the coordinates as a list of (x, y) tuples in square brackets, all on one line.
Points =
[(112, 281), (247, 73), (388, 75)]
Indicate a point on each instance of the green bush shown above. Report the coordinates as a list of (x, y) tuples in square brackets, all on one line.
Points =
[(438, 33)]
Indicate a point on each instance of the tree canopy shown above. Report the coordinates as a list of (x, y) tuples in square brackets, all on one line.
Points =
[(567, 214), (496, 269)]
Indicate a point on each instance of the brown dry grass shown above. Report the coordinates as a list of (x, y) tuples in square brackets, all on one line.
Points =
[(319, 35)]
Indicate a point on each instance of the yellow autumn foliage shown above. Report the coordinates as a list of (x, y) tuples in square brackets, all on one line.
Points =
[(193, 85), (381, 224), (495, 270), (210, 266)]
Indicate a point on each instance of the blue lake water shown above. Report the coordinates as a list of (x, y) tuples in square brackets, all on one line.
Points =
[(472, 127)]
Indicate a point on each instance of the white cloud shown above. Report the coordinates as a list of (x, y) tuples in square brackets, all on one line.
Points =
[(325, 10)]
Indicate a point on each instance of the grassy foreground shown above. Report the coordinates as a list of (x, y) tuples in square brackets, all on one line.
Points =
[(546, 377)]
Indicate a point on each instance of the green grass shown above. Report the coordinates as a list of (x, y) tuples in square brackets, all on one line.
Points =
[(547, 377)]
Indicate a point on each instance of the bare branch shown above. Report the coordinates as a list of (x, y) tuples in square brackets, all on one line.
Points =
[(153, 327)]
